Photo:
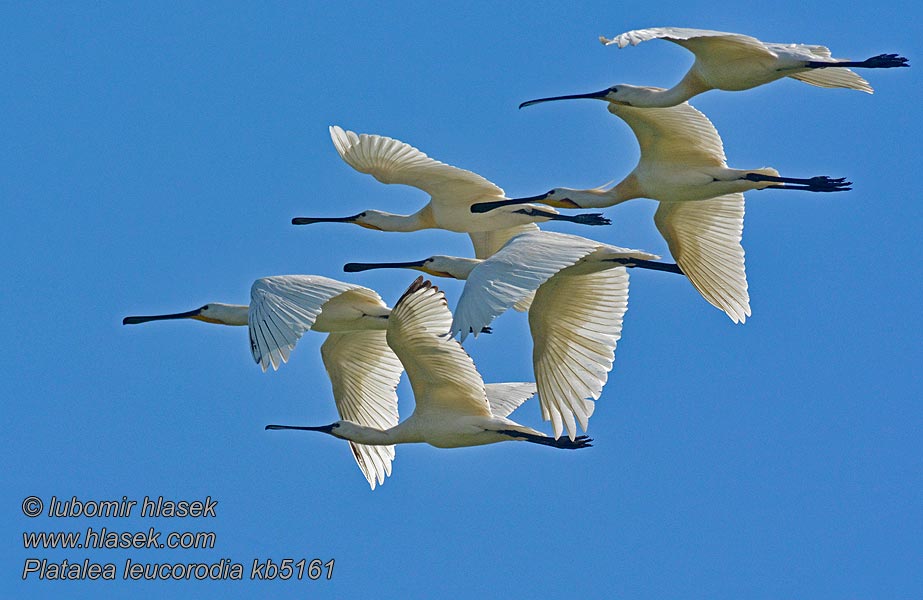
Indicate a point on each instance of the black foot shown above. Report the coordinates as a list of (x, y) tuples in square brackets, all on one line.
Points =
[(885, 61), (882, 61), (821, 183), (581, 441)]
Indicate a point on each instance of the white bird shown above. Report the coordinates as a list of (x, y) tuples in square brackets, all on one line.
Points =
[(454, 407), (731, 61), (701, 212), (452, 192), (580, 290), (363, 370)]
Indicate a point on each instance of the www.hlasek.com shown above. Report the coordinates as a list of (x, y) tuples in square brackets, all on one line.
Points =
[(102, 538)]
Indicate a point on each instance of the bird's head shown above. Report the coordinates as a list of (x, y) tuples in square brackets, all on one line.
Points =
[(370, 219), (616, 94), (453, 267), (214, 312), (338, 429)]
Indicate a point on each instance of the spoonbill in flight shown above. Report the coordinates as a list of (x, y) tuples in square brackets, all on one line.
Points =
[(363, 370), (452, 192), (454, 407), (580, 290), (701, 212), (730, 61)]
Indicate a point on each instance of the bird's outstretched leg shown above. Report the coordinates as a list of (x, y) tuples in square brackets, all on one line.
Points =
[(814, 184), (581, 441), (646, 264), (882, 61), (583, 219)]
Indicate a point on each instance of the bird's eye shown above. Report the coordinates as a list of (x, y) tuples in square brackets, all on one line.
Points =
[(204, 307), (551, 193)]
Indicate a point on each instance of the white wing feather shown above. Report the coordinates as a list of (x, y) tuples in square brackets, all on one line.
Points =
[(488, 243), (392, 161), (704, 239), (576, 321), (283, 307), (677, 134), (364, 373), (504, 398), (512, 274), (441, 373), (838, 77), (695, 40)]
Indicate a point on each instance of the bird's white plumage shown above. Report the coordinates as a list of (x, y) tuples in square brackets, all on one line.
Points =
[(680, 135), (576, 322), (512, 274), (364, 373), (704, 239), (441, 373), (734, 61), (504, 398), (283, 307), (682, 35), (392, 161), (575, 317), (487, 243)]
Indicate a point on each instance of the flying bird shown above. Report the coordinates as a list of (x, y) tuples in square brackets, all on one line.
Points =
[(454, 408), (731, 61), (452, 192), (363, 370), (580, 290), (701, 211)]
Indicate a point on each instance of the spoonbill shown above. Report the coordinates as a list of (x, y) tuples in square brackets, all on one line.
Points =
[(363, 370), (452, 192), (731, 61), (580, 290), (701, 212), (454, 408)]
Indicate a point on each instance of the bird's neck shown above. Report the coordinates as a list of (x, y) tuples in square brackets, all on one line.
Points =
[(627, 189), (226, 314), (372, 436), (690, 85), (422, 219)]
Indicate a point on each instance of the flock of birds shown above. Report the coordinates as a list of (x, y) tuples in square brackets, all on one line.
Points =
[(574, 289)]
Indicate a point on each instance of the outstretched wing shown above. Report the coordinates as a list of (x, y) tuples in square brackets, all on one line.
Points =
[(704, 239), (730, 45), (677, 134), (441, 373), (504, 398), (512, 274), (364, 373), (392, 161), (283, 307), (576, 321)]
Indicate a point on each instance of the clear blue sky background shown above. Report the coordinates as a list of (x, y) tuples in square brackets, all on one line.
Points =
[(152, 158)]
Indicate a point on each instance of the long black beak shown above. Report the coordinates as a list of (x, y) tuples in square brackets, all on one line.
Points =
[(312, 220), (356, 267), (145, 319), (321, 428), (483, 207), (596, 95)]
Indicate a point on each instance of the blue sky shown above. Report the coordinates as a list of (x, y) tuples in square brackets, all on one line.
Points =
[(152, 159)]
